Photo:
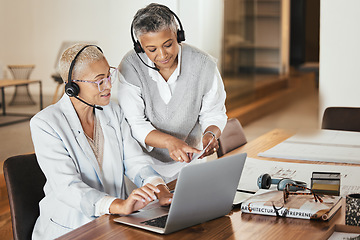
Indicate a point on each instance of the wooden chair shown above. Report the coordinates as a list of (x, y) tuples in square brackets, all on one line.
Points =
[(341, 118), (21, 95), (232, 137), (60, 83), (24, 182)]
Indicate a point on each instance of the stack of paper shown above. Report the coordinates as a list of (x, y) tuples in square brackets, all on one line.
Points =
[(323, 145)]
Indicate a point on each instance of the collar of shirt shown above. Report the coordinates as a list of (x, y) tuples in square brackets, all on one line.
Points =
[(156, 76)]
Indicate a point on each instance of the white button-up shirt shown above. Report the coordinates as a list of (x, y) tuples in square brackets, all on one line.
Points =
[(212, 111)]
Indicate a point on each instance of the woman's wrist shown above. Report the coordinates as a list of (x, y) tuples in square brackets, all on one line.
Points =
[(210, 132), (116, 206), (169, 141)]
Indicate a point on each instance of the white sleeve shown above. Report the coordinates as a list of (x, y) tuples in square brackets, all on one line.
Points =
[(103, 205), (213, 111), (131, 102), (156, 180)]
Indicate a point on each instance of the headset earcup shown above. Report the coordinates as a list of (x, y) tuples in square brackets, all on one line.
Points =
[(180, 36), (281, 185), (264, 181), (137, 47), (72, 89)]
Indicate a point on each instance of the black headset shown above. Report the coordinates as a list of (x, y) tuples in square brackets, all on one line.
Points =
[(180, 34), (264, 182), (72, 89)]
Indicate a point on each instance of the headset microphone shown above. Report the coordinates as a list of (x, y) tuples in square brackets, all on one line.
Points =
[(71, 88), (155, 68), (94, 106)]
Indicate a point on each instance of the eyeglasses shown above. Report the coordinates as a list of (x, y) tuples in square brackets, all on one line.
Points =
[(286, 192), (104, 82)]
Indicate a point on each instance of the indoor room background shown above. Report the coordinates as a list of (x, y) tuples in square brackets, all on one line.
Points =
[(33, 31)]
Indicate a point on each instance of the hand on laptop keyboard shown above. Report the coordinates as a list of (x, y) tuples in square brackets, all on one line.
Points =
[(164, 196), (138, 199)]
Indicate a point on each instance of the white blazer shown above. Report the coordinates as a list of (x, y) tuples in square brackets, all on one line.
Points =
[(74, 182)]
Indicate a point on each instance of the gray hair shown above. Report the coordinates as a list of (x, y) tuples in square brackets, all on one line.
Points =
[(87, 56), (153, 18)]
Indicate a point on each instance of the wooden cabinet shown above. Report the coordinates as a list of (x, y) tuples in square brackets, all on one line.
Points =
[(256, 36)]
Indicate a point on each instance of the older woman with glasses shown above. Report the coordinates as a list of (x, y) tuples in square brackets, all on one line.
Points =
[(172, 93), (84, 147)]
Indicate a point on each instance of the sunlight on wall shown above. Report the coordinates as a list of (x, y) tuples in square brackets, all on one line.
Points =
[(34, 30), (339, 58)]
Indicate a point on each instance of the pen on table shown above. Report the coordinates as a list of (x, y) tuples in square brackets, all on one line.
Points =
[(245, 191)]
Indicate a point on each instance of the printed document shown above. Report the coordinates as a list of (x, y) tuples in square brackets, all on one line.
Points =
[(322, 145)]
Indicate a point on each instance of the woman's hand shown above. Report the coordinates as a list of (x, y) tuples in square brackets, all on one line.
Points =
[(179, 150), (209, 139), (138, 199), (164, 196)]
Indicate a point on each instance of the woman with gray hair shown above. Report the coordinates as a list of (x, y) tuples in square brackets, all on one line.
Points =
[(172, 93), (82, 144)]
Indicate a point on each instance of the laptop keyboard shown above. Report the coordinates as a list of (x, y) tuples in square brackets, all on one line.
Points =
[(157, 222)]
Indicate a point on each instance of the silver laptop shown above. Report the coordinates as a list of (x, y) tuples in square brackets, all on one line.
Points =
[(203, 192)]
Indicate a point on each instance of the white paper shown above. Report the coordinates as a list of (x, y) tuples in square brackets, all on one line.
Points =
[(349, 182), (197, 155), (169, 170), (344, 236), (241, 197), (322, 145)]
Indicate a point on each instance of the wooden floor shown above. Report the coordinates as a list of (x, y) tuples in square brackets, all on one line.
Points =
[(268, 94), (266, 99)]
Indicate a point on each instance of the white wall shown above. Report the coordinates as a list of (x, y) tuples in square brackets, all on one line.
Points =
[(203, 24), (339, 54), (16, 33), (32, 31)]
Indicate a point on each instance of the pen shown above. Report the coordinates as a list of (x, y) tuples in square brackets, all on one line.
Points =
[(245, 191)]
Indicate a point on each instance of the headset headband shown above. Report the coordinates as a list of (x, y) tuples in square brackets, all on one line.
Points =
[(71, 88), (74, 60), (180, 33)]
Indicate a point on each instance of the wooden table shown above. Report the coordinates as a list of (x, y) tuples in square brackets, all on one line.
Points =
[(235, 225), (12, 83)]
